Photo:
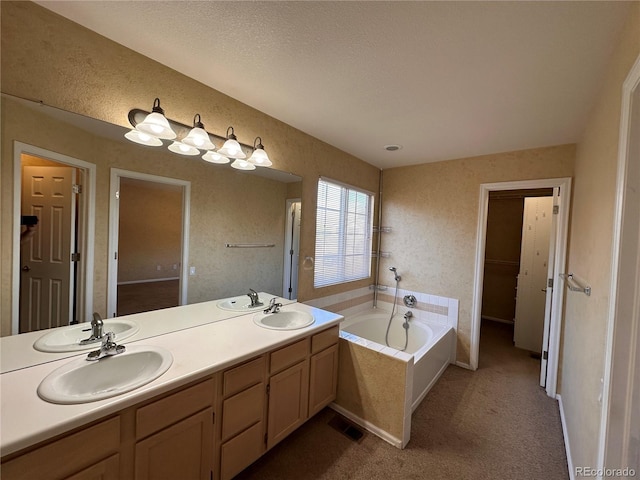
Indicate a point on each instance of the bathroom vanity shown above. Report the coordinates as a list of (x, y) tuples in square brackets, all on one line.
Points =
[(234, 391)]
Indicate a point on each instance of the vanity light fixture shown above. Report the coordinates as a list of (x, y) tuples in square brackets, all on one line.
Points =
[(259, 157), (242, 164), (151, 128), (215, 157), (142, 138), (156, 123), (231, 147), (183, 149), (198, 137)]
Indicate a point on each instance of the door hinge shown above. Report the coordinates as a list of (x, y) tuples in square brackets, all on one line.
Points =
[(76, 188), (556, 209), (115, 255), (75, 257), (545, 355), (550, 283)]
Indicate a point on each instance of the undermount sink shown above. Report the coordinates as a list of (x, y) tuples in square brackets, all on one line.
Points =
[(240, 304), (83, 381), (284, 320), (67, 339)]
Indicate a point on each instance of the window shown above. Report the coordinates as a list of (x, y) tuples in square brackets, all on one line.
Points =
[(343, 234)]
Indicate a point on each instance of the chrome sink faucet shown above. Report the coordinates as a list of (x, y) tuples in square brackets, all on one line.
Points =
[(273, 306), (96, 330), (108, 348), (255, 301)]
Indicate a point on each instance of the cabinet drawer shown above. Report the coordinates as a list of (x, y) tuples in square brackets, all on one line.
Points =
[(167, 411), (241, 451), (68, 455), (322, 340), (289, 355), (242, 410), (238, 378)]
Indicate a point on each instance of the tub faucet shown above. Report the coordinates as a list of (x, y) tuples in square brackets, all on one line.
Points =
[(273, 306), (407, 316), (108, 348), (255, 301), (96, 330)]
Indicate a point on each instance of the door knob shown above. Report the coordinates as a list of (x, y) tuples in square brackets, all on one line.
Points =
[(26, 268)]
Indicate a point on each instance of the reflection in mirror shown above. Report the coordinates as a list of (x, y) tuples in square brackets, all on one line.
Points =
[(227, 208)]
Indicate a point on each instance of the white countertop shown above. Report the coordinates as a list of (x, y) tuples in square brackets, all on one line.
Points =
[(17, 351), (26, 419)]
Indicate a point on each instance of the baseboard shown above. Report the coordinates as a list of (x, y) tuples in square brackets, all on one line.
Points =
[(368, 426), (565, 434), (496, 319), (463, 365), (149, 280)]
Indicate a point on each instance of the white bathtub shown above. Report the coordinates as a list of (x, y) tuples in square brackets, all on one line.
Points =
[(431, 345)]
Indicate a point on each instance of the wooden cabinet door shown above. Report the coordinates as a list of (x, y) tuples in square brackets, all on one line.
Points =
[(107, 469), (323, 379), (288, 402), (184, 450)]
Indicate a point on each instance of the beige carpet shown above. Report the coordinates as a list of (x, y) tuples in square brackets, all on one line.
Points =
[(495, 423)]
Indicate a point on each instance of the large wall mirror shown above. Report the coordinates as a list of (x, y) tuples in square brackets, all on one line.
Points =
[(179, 225)]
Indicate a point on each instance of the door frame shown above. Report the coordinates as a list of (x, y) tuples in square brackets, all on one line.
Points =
[(617, 395), (560, 263), (289, 241), (87, 234), (114, 217)]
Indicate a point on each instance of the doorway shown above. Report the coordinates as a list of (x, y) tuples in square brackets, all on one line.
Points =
[(516, 268), (50, 286), (554, 296), (148, 242)]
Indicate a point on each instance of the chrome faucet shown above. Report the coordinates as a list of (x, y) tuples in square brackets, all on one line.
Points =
[(273, 306), (407, 316), (255, 301), (96, 330), (108, 348)]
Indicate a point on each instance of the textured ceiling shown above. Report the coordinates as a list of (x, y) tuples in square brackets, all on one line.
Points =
[(443, 79)]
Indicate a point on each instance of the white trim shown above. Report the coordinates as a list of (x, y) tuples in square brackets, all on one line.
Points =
[(90, 195), (560, 262), (565, 434), (463, 365), (148, 280), (112, 276), (368, 426), (496, 319), (628, 87)]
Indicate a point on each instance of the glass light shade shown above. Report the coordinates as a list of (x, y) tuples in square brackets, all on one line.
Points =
[(232, 149), (215, 157), (240, 164), (182, 149), (142, 138), (260, 158), (157, 125), (199, 138)]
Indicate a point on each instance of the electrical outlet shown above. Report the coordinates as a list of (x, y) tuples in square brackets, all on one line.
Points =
[(192, 270), (175, 266), (158, 267)]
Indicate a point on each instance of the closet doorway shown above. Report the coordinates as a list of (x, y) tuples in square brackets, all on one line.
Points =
[(556, 259)]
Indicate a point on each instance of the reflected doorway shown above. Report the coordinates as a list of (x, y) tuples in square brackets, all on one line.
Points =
[(53, 235), (291, 248), (147, 243)]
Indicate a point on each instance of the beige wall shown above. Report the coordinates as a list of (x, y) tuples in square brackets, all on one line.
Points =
[(433, 211), (150, 230), (590, 250), (46, 57)]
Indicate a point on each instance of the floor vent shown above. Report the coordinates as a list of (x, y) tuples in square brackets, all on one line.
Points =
[(348, 429)]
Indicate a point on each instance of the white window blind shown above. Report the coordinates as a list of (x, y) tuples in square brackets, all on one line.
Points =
[(343, 234)]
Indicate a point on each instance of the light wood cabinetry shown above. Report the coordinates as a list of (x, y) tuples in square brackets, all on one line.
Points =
[(242, 407), (178, 435), (88, 453)]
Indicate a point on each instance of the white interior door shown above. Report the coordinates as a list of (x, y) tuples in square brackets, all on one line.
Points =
[(46, 279), (532, 278), (550, 286)]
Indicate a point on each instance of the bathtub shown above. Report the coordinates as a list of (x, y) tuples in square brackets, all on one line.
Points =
[(384, 406)]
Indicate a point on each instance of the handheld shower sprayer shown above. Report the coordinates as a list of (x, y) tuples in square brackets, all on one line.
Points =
[(397, 277)]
